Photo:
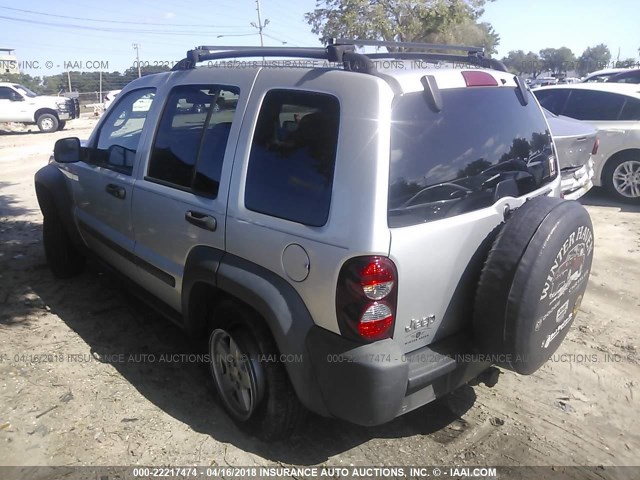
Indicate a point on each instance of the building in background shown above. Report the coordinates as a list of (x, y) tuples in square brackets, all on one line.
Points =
[(8, 61)]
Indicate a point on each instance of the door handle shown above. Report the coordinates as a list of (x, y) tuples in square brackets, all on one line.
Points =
[(201, 220), (116, 191)]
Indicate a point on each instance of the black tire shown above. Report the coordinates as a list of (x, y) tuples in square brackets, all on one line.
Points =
[(532, 283), (47, 123), (276, 412), (61, 124), (63, 257), (620, 171)]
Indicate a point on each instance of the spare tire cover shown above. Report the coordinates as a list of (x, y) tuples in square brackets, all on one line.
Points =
[(532, 283)]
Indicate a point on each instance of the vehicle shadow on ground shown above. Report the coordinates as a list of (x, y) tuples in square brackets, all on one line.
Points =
[(111, 322), (599, 197)]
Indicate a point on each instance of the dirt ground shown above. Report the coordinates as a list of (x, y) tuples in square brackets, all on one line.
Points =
[(68, 397)]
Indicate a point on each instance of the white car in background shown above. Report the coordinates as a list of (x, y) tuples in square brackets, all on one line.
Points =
[(600, 76), (614, 110), (576, 144), (109, 97), (141, 105)]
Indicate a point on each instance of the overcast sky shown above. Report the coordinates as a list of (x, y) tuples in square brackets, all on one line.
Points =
[(166, 29)]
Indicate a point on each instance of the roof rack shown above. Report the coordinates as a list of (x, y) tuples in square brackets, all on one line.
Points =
[(421, 46), (332, 53), (343, 50)]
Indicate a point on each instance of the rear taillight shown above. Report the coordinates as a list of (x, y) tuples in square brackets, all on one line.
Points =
[(596, 146), (366, 298)]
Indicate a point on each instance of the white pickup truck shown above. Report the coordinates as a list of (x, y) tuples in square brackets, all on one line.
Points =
[(50, 113)]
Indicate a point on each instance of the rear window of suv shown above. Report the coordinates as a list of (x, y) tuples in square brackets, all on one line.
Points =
[(483, 145)]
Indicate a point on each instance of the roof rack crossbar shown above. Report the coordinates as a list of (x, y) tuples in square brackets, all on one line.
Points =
[(415, 45), (332, 53), (341, 50)]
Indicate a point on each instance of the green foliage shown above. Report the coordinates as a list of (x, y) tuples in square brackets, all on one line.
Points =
[(558, 60), (521, 63), (430, 21), (594, 58)]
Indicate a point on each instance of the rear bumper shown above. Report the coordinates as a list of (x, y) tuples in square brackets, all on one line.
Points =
[(575, 183), (374, 383)]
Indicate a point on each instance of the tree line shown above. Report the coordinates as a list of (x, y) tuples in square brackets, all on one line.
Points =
[(562, 60)]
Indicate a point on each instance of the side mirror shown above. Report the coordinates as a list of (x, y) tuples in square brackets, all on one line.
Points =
[(16, 97), (67, 150)]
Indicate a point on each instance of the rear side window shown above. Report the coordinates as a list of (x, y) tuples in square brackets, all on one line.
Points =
[(592, 105), (553, 100), (482, 146), (191, 140), (293, 153)]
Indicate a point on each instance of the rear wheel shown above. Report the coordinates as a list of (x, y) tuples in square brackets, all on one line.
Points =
[(621, 177), (47, 123), (252, 383)]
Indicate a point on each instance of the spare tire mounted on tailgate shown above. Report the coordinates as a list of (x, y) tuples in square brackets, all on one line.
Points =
[(533, 282)]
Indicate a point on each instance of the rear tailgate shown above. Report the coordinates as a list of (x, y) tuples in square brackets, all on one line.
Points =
[(454, 171)]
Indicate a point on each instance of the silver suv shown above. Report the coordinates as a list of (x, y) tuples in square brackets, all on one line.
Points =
[(352, 235)]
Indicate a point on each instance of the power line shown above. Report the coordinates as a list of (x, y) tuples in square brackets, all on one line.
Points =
[(123, 22), (105, 29)]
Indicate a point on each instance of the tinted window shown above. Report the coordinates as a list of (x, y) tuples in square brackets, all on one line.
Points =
[(482, 146), (552, 100), (292, 157), (7, 94), (121, 130), (631, 110), (592, 105), (192, 137)]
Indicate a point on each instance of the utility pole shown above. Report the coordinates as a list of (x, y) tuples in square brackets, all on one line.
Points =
[(260, 26), (137, 49), (69, 79)]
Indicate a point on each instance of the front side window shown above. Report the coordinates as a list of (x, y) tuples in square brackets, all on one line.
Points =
[(483, 145), (592, 105), (121, 131), (191, 141), (293, 155)]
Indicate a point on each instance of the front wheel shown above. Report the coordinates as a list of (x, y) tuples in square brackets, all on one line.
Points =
[(251, 381), (61, 125), (47, 123), (63, 257), (622, 177)]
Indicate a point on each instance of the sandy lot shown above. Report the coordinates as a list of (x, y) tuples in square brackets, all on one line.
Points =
[(66, 398)]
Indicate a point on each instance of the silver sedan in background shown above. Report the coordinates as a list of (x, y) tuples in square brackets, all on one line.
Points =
[(576, 143)]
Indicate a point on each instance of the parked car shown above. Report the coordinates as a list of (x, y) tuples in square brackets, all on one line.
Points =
[(542, 81), (614, 110), (141, 105), (49, 113), (602, 75), (630, 76), (576, 143), (353, 241), (109, 97), (569, 80)]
